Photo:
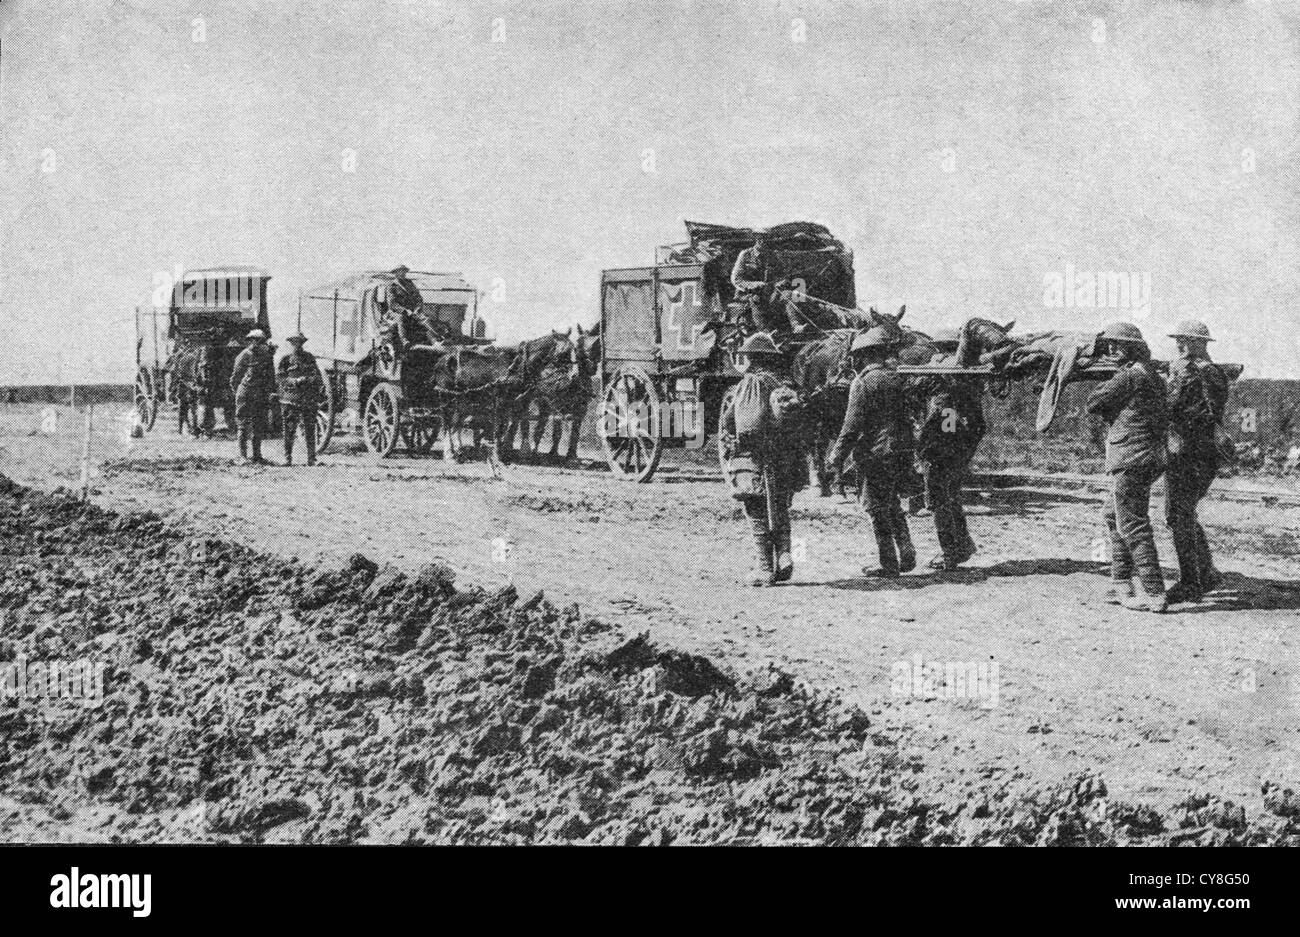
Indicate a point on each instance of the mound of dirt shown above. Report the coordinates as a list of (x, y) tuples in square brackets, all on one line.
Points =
[(274, 701)]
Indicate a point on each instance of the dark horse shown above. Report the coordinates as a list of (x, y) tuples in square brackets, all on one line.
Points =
[(487, 389), (823, 372), (472, 385), (561, 392), (199, 375)]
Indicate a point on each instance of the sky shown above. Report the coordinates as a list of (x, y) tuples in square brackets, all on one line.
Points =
[(969, 153)]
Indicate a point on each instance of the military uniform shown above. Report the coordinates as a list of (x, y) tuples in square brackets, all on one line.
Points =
[(301, 392), (207, 371), (878, 434), (766, 463), (1133, 403), (753, 275), (253, 382), (403, 300), (1198, 396), (953, 428)]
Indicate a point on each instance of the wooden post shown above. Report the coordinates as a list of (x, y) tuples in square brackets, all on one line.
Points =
[(85, 454)]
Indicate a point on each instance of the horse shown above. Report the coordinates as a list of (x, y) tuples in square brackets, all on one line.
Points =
[(196, 375), (531, 360), (822, 371), (472, 386), (985, 342), (562, 391)]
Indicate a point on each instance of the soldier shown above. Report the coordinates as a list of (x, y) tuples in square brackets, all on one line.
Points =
[(1133, 403), (766, 465), (253, 382), (403, 301), (953, 428), (1198, 395), (208, 386), (301, 391), (756, 277), (878, 433)]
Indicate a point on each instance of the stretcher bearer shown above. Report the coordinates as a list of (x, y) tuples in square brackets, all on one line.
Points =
[(1198, 395), (766, 464), (1133, 403), (877, 431), (953, 427)]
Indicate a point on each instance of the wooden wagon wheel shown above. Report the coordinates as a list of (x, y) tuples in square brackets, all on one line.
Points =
[(726, 442), (628, 425), (382, 419), (325, 415), (146, 400)]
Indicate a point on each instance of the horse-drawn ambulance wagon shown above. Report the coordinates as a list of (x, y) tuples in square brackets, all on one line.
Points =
[(375, 380), (669, 332), (186, 344)]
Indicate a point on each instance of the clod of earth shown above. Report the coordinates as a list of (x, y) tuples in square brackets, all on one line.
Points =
[(247, 697)]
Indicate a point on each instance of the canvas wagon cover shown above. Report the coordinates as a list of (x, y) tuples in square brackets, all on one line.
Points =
[(337, 317), (804, 249)]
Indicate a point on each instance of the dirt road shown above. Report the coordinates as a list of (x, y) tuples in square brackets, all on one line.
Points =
[(1203, 699)]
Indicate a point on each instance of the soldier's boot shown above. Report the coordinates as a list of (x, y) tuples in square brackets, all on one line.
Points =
[(288, 447), (967, 548), (1146, 602), (944, 562), (888, 568), (1183, 592), (762, 574), (243, 441), (1119, 591), (784, 565), (906, 549)]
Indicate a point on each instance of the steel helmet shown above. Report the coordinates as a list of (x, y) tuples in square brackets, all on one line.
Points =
[(1123, 332), (760, 343), (1190, 328), (257, 333), (296, 339), (875, 337)]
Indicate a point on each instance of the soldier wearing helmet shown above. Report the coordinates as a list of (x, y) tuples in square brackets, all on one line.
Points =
[(1133, 403), (302, 390), (253, 381), (878, 434), (1198, 395), (954, 425), (765, 462)]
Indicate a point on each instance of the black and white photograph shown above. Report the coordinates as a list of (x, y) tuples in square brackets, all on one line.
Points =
[(705, 423)]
